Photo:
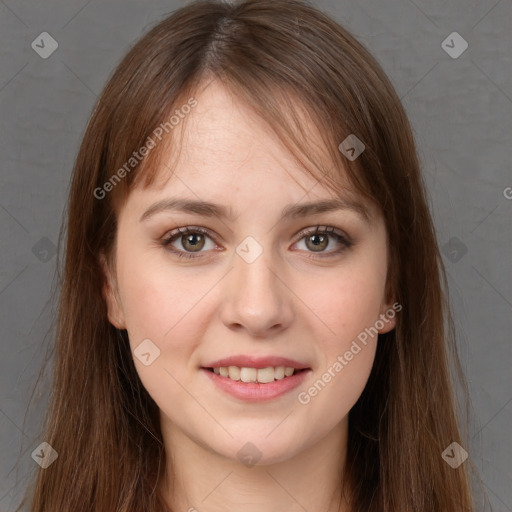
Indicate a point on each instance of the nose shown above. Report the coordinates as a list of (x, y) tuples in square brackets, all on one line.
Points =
[(256, 298)]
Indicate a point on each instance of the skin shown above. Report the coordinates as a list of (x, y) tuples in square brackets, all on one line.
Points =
[(284, 303)]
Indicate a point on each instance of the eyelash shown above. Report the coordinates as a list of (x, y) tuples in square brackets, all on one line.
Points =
[(328, 230)]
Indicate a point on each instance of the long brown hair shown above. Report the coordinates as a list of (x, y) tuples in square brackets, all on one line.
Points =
[(284, 59)]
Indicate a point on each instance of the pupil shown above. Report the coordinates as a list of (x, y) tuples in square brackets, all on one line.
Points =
[(190, 238), (193, 241), (320, 241)]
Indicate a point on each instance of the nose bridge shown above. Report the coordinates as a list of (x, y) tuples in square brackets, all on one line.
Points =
[(256, 277), (256, 298), (256, 282)]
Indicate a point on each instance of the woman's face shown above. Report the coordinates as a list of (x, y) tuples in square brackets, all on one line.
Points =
[(259, 288)]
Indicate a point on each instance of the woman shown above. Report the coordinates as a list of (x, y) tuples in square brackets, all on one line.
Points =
[(253, 311)]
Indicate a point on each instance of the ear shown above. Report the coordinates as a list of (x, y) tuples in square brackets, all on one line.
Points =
[(388, 312), (111, 295), (387, 317)]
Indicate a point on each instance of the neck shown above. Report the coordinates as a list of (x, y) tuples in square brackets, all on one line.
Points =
[(200, 480)]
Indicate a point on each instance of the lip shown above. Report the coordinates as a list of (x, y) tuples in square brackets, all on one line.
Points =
[(255, 391), (245, 361)]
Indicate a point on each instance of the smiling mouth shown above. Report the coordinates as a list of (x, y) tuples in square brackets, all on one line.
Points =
[(258, 375)]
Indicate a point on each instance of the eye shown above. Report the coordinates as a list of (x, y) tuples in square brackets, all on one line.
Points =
[(318, 239), (193, 239)]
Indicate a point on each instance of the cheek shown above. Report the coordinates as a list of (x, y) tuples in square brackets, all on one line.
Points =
[(345, 306), (163, 307), (172, 309), (335, 391), (348, 303), (145, 297), (346, 310), (344, 303), (157, 302)]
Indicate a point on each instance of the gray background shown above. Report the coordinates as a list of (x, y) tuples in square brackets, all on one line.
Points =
[(461, 114)]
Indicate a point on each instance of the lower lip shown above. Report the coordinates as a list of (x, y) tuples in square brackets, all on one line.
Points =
[(254, 391)]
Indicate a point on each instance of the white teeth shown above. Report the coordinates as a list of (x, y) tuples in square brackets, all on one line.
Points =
[(261, 375), (265, 375), (279, 373), (248, 374), (234, 372)]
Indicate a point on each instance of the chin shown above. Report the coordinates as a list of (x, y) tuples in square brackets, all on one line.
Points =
[(259, 450)]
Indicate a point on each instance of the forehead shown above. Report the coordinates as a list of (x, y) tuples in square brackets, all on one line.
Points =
[(223, 139), (225, 155)]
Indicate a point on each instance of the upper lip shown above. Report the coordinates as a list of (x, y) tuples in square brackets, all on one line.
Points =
[(245, 361)]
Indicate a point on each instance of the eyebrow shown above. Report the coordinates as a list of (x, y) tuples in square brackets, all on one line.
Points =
[(291, 211)]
